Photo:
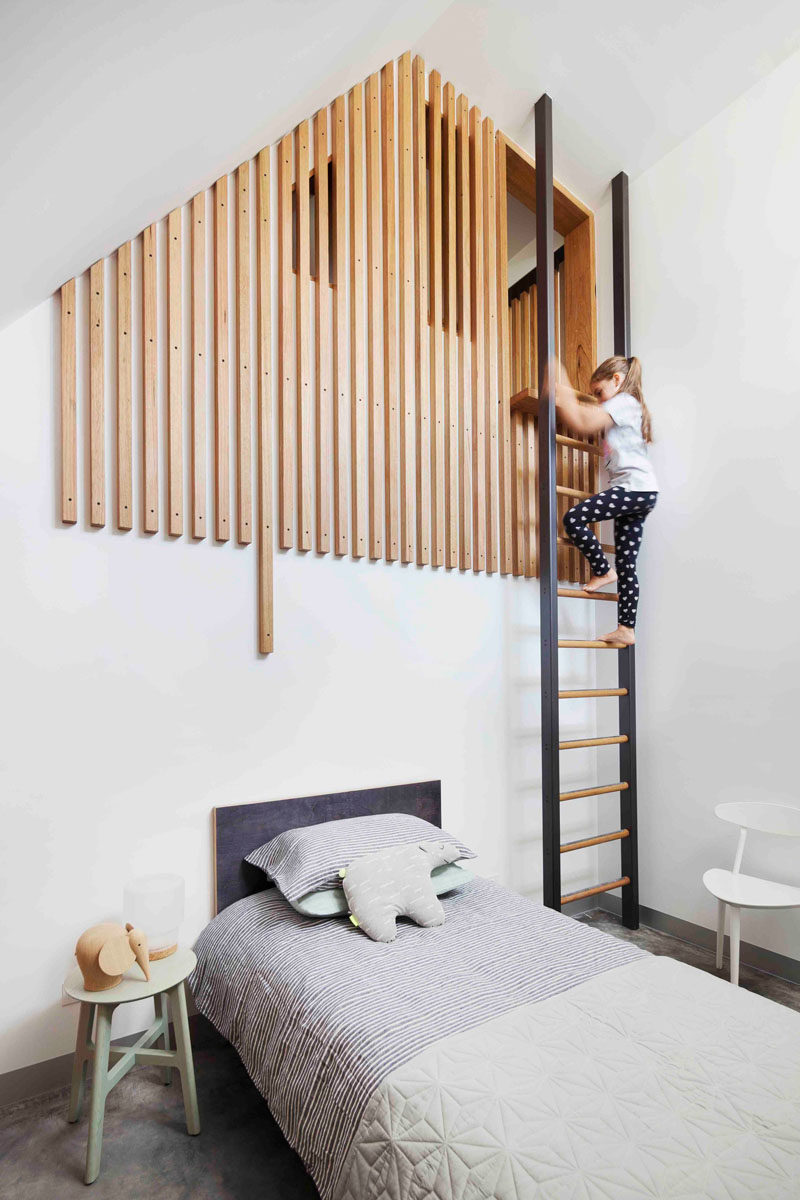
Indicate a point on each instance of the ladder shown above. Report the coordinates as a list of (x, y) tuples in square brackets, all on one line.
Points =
[(552, 798)]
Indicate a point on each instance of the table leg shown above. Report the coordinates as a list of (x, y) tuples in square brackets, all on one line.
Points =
[(97, 1105), (162, 1008), (721, 912), (183, 1045), (83, 1043), (735, 935)]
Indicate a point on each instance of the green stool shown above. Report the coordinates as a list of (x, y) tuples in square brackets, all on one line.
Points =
[(111, 1063)]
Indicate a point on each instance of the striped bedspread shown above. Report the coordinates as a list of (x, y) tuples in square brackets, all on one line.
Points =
[(320, 1015)]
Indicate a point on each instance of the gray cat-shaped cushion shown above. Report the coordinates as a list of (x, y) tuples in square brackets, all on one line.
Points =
[(396, 883)]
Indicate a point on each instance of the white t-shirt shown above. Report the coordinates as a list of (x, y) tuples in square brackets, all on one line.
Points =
[(624, 448)]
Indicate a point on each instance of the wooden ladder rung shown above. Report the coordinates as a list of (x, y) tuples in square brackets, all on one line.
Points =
[(616, 836), (576, 693), (527, 400), (594, 791), (563, 541), (568, 491), (603, 741), (579, 594), (568, 643), (576, 444), (595, 891)]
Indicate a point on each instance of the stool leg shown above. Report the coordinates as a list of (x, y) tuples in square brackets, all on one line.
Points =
[(183, 1045), (81, 1062), (161, 1001), (720, 931), (735, 930), (97, 1105)]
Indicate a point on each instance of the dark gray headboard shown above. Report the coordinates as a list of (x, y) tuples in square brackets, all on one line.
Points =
[(240, 828)]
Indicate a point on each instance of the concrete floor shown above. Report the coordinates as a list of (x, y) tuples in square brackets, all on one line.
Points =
[(241, 1153)]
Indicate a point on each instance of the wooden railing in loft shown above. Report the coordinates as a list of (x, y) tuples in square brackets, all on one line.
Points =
[(378, 228)]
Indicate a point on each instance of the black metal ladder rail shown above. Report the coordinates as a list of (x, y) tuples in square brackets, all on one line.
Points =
[(626, 835)]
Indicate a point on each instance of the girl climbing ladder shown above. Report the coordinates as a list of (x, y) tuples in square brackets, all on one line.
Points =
[(632, 491)]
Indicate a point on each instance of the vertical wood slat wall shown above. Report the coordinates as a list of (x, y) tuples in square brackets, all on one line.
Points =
[(394, 435), (575, 468)]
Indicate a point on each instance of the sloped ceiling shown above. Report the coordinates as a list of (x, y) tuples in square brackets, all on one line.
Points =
[(112, 113)]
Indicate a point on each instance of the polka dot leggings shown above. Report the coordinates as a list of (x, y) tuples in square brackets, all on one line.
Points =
[(628, 511)]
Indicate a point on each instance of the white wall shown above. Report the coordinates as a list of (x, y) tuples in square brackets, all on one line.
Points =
[(133, 699), (715, 259), (134, 702)]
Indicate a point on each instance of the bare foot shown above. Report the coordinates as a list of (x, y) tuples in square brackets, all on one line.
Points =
[(600, 581), (623, 635)]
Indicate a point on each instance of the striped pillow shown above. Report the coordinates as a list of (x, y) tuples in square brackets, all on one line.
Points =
[(308, 859)]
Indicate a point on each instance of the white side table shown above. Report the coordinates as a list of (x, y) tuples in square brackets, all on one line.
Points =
[(111, 1063)]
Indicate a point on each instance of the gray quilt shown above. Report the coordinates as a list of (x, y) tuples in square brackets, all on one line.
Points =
[(509, 1054), (320, 1014)]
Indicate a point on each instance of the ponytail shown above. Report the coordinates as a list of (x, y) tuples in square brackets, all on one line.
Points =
[(631, 371)]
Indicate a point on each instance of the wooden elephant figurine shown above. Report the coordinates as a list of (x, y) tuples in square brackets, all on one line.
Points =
[(105, 952)]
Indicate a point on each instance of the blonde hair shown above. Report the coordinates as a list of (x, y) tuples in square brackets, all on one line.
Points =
[(631, 371)]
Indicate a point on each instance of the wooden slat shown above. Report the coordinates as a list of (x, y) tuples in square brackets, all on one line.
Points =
[(518, 443), (69, 424), (97, 417), (437, 428), (527, 336), (222, 419), (357, 391), (561, 454), (580, 350), (479, 506), (406, 322), (490, 335), (305, 464), (124, 400), (390, 382), (423, 449), (97, 412), (594, 791), (598, 840), (588, 479), (532, 439), (375, 415), (580, 347), (340, 327), (286, 365), (198, 469), (591, 693), (506, 544), (463, 271), (450, 398), (595, 891), (175, 377), (150, 382), (322, 341), (244, 392), (264, 348)]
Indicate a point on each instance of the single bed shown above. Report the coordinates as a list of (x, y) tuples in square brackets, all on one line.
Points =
[(511, 1053)]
